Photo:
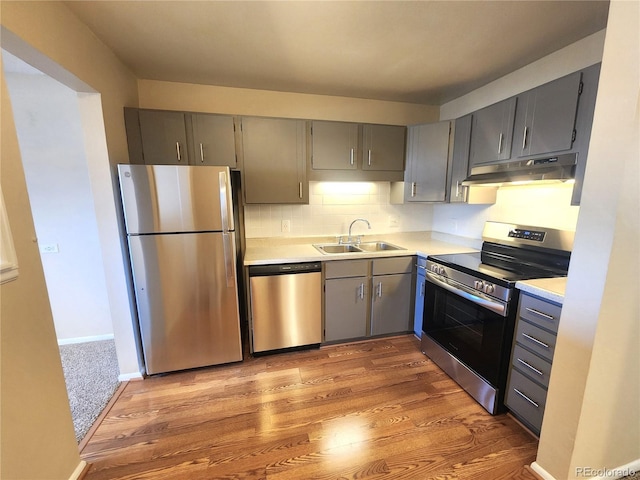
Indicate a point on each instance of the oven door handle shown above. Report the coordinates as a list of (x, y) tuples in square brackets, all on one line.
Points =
[(459, 290)]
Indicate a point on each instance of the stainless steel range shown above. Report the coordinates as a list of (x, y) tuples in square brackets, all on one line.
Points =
[(471, 303)]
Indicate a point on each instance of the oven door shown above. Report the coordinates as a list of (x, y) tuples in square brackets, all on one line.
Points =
[(468, 326)]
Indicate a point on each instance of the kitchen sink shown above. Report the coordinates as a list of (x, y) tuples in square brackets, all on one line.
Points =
[(337, 248), (329, 248), (378, 246)]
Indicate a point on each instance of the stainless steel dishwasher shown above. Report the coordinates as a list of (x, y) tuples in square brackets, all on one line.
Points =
[(286, 306)]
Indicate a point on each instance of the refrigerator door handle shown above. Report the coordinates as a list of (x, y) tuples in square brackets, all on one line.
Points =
[(224, 210), (227, 248)]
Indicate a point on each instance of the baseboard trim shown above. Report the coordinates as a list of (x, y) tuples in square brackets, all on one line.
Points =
[(607, 473), (92, 338), (125, 377), (535, 466), (80, 471)]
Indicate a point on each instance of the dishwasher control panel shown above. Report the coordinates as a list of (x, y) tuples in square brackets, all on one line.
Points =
[(259, 270)]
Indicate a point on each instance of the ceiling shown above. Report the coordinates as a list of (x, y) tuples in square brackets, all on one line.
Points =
[(426, 52)]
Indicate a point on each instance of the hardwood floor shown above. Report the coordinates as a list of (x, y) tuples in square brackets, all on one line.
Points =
[(376, 409)]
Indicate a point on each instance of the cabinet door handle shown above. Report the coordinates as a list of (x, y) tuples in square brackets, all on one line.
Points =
[(369, 157), (500, 144), (300, 189), (413, 189), (178, 154), (526, 398), (201, 154), (528, 365), (533, 339), (422, 290), (351, 157), (380, 290), (457, 188), (524, 137), (361, 291), (543, 315)]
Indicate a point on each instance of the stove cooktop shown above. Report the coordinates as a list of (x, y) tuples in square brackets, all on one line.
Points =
[(473, 264)]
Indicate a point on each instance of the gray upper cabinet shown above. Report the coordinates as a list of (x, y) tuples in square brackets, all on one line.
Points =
[(427, 158), (546, 117), (460, 159), (334, 145), (158, 137), (274, 156), (214, 140), (492, 133), (383, 147), (164, 137)]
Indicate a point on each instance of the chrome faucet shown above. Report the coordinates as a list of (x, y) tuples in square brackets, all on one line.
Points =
[(350, 238)]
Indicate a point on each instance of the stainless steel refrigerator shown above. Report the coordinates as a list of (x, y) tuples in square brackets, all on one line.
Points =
[(181, 235)]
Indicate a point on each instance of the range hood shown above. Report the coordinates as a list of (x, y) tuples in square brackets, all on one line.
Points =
[(561, 167)]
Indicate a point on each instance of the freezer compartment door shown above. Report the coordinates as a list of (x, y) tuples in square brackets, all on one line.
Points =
[(176, 198), (187, 299)]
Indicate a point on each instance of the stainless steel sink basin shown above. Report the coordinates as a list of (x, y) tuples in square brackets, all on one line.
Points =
[(378, 246), (337, 248), (328, 248)]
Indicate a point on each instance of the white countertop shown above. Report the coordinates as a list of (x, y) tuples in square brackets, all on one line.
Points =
[(547, 288), (276, 250)]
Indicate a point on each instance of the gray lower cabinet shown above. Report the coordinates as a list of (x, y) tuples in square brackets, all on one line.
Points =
[(367, 297), (531, 359), (274, 160), (421, 269)]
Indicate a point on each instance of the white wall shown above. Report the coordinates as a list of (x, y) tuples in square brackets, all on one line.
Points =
[(547, 205), (332, 207), (49, 129)]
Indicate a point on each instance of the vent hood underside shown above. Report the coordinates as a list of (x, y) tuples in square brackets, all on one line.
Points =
[(560, 168)]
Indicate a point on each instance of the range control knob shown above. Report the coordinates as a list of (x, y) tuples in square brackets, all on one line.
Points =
[(478, 285), (441, 270), (489, 288)]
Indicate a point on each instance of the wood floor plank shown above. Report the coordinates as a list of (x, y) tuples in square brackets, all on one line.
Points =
[(377, 409)]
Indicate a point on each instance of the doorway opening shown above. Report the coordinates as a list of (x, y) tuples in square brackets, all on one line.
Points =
[(50, 125)]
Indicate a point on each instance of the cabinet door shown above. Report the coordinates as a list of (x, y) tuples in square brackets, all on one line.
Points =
[(492, 133), (164, 137), (334, 146), (460, 158), (383, 147), (428, 150), (391, 304), (419, 302), (345, 308), (213, 138), (274, 160), (547, 123)]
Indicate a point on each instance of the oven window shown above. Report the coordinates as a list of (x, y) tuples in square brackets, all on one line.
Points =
[(474, 335)]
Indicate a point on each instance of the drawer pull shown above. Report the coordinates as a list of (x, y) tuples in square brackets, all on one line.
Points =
[(526, 398), (531, 367), (543, 315), (533, 339)]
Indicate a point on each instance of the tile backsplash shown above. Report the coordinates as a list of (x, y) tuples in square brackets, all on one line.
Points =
[(332, 207)]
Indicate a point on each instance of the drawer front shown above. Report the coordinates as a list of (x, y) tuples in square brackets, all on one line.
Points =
[(531, 365), (544, 314), (535, 339), (346, 268), (391, 265), (526, 399)]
